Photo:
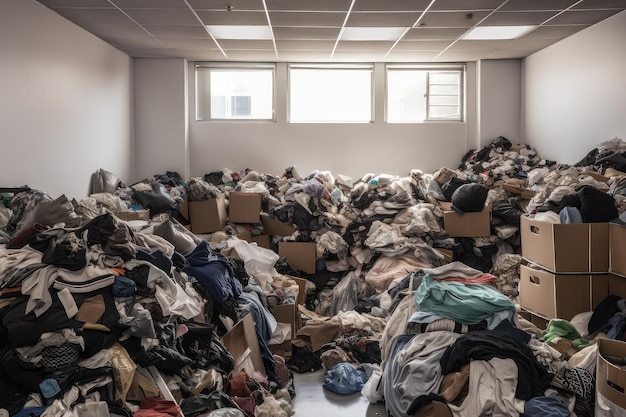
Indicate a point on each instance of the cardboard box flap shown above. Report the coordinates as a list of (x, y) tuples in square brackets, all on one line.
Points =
[(274, 227), (610, 378), (301, 256), (242, 343)]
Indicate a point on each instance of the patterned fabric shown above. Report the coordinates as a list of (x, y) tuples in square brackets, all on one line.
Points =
[(57, 357)]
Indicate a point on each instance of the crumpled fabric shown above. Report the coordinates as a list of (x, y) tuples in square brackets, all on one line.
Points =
[(344, 379)]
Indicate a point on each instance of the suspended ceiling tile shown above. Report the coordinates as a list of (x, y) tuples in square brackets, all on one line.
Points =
[(177, 32), (421, 45), (163, 17), (86, 17), (452, 19), (324, 19), (601, 4), (479, 45), (580, 17), (305, 33), (223, 4), (233, 18), (246, 44), (457, 56), (512, 5), (289, 45), (382, 19), (189, 44), (307, 5), (54, 4), (251, 55), (518, 18), (373, 46), (396, 5), (425, 33), (150, 4), (198, 54), (468, 5), (119, 32)]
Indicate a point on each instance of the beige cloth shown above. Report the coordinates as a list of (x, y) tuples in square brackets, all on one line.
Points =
[(316, 333)]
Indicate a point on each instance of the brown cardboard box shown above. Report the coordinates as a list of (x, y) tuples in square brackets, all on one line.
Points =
[(285, 313), (571, 248), (301, 256), (244, 207), (241, 341), (610, 379), (207, 216), (563, 296), (617, 285), (261, 240), (448, 255), (617, 249), (466, 225), (134, 215), (274, 227)]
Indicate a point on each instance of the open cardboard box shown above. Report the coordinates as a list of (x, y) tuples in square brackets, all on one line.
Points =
[(566, 248), (477, 224), (244, 207), (242, 343), (301, 256), (610, 379), (207, 216), (563, 296)]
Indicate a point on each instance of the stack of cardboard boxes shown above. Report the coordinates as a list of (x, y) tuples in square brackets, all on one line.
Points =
[(567, 268), (212, 215)]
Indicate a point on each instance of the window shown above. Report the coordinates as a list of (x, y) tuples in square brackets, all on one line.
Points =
[(330, 93), (420, 93), (235, 93)]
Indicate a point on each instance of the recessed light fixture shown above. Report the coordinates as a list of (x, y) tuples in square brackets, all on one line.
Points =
[(240, 32), (497, 32), (371, 33)]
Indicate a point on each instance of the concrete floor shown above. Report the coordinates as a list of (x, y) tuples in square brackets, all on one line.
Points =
[(312, 400)]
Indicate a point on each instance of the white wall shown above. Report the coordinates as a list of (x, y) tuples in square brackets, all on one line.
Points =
[(65, 103), (349, 149), (161, 116), (575, 92), (499, 100)]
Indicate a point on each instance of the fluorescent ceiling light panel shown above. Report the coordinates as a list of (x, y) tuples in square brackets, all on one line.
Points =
[(371, 34), (497, 32), (240, 32)]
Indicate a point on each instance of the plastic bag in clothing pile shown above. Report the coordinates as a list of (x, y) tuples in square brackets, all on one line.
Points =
[(344, 379)]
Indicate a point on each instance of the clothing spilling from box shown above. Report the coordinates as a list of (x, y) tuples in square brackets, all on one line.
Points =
[(180, 296)]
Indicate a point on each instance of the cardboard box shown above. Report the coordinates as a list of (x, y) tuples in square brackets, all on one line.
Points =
[(244, 207), (274, 227), (261, 240), (476, 224), (134, 215), (563, 296), (610, 379), (617, 285), (448, 255), (208, 216), (566, 248), (301, 256), (285, 313), (617, 249), (242, 343)]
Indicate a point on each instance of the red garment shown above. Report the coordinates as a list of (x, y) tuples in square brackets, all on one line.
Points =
[(154, 407)]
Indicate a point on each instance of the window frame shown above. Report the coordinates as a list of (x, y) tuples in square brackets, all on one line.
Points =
[(230, 66), (461, 68), (332, 66)]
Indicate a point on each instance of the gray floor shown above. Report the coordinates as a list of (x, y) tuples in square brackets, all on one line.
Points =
[(312, 400)]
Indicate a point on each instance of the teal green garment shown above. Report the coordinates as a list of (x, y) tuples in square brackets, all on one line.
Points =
[(563, 328), (465, 303)]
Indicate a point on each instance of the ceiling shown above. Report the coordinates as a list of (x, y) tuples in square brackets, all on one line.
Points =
[(316, 30)]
